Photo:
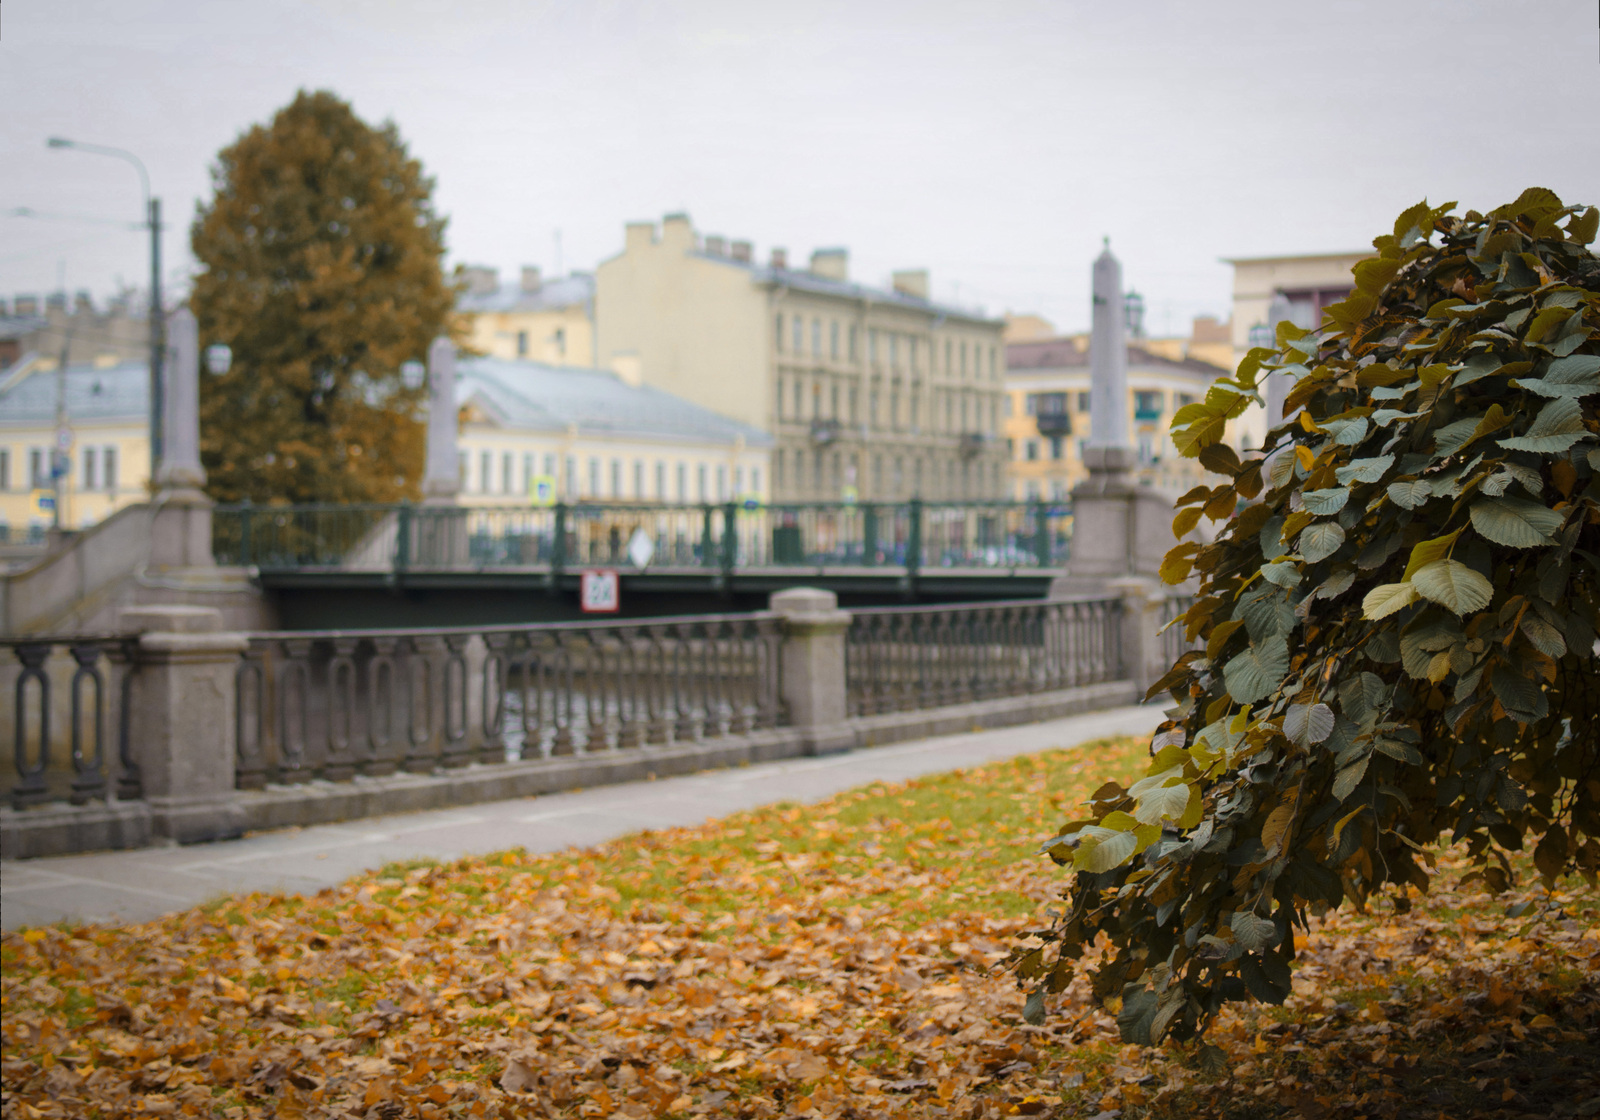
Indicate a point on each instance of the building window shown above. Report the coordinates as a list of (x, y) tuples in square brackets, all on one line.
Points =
[(877, 475), (683, 482), (738, 481), (561, 342), (616, 478), (899, 476), (799, 470), (833, 402), (722, 484), (778, 400), (854, 414), (594, 478), (1081, 444), (661, 481), (854, 349), (527, 472), (485, 471), (1011, 448), (1147, 452), (550, 466), (948, 367), (799, 335), (872, 408), (799, 400), (638, 479), (88, 468), (572, 476), (872, 346), (816, 338), (894, 350), (963, 359), (911, 351), (522, 344), (1031, 450), (755, 480), (1147, 404), (915, 410), (700, 479), (1182, 400), (816, 471), (894, 408), (507, 473), (1055, 447), (1083, 402), (777, 333), (833, 340), (5, 469), (777, 467)]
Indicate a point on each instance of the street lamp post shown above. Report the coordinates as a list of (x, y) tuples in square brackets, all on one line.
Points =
[(152, 207)]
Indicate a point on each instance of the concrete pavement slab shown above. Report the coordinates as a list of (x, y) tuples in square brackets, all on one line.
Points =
[(137, 886)]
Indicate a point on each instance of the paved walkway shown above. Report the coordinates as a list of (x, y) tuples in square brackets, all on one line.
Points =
[(136, 886)]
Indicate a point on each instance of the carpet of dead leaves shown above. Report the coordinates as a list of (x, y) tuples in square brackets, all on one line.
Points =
[(830, 960)]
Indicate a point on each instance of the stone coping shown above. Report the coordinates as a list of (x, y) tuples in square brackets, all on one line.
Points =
[(62, 829)]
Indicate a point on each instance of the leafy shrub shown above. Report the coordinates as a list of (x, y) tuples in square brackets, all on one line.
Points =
[(1399, 623)]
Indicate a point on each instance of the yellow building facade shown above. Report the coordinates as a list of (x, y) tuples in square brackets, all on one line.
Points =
[(104, 442), (537, 320), (1047, 416), (873, 393)]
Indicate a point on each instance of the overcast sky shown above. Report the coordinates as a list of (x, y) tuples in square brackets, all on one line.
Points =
[(993, 142)]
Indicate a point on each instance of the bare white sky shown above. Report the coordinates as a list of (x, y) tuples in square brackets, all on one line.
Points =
[(993, 142)]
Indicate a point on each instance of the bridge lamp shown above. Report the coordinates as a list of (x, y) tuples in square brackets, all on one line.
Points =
[(219, 358)]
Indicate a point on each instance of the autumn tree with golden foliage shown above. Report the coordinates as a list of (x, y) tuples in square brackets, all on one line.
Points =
[(321, 253)]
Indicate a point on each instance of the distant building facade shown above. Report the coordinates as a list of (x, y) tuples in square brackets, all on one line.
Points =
[(1267, 290), (106, 452), (880, 394), (591, 436), (537, 320), (118, 330), (1047, 416)]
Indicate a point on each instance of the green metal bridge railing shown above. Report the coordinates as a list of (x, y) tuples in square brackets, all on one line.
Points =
[(726, 537)]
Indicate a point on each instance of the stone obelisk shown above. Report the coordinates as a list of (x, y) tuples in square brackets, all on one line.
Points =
[(1108, 455), (441, 480), (180, 477), (1119, 527)]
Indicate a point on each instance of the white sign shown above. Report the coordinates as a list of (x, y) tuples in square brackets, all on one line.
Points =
[(599, 591), (641, 549)]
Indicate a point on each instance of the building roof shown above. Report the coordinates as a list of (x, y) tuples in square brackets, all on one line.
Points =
[(541, 397), (1063, 353), (1352, 253), (16, 326), (565, 291), (804, 280), (119, 392)]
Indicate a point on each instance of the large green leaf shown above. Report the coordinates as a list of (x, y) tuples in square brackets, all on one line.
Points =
[(1410, 495), (1320, 541), (1162, 803), (1514, 522), (1364, 470), (1558, 426), (1325, 503), (1104, 848), (1383, 600), (1254, 673), (1453, 585)]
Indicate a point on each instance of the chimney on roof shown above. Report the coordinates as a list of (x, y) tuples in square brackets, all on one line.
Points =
[(780, 258), (742, 251), (26, 305), (480, 279), (56, 301), (82, 301), (716, 245), (831, 264), (531, 280), (677, 232), (912, 282), (638, 235)]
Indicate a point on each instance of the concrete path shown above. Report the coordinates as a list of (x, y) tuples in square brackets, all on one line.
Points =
[(136, 886)]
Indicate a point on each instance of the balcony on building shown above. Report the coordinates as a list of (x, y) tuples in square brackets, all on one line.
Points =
[(1147, 406), (973, 443), (824, 432)]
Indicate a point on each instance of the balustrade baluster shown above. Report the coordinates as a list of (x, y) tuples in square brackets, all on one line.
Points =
[(496, 671), (88, 772), (31, 787), (294, 710), (457, 724), (417, 665), (340, 761)]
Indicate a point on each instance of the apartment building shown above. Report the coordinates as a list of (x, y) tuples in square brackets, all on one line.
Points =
[(1047, 416), (869, 393), (540, 320)]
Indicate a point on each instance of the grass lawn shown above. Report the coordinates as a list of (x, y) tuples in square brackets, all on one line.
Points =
[(833, 959)]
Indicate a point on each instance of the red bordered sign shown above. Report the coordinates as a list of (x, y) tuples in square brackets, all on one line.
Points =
[(599, 591)]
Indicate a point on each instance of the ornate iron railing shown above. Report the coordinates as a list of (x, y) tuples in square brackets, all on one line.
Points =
[(903, 658), (69, 704), (912, 535), (334, 704)]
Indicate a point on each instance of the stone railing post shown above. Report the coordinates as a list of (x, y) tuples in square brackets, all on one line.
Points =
[(1142, 655), (181, 720), (812, 662)]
